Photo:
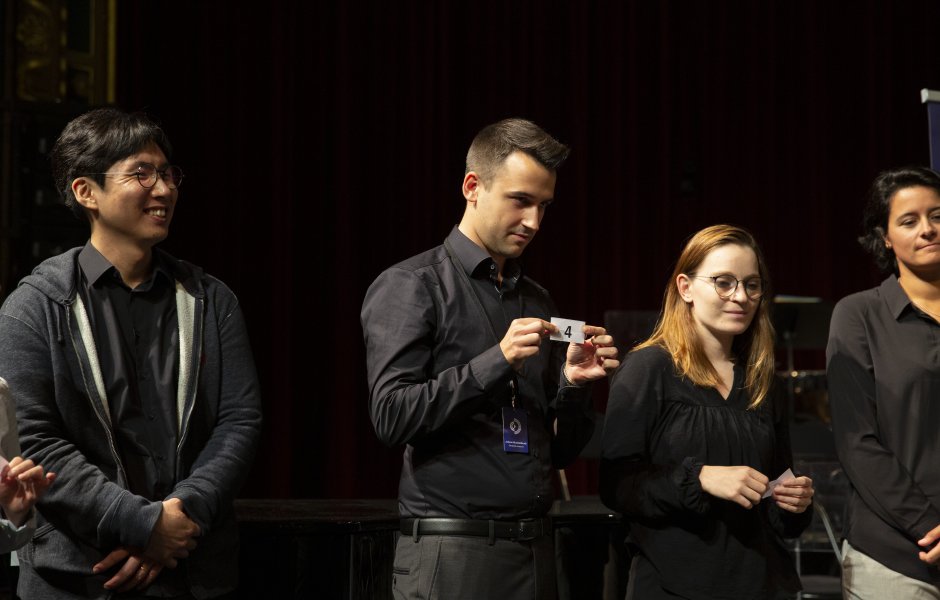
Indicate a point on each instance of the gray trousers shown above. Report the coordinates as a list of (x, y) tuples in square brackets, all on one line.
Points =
[(864, 578), (450, 567)]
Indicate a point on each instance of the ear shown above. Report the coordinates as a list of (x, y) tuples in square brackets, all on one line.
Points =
[(85, 193), (887, 244), (471, 185), (684, 285)]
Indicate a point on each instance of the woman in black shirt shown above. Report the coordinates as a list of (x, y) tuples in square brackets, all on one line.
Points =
[(692, 436), (883, 364)]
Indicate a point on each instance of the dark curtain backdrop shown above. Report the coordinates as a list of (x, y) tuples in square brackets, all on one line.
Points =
[(325, 141)]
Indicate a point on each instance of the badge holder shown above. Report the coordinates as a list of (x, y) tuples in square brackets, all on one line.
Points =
[(515, 426)]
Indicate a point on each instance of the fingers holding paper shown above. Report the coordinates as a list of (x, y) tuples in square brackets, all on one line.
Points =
[(794, 495), (594, 359), (523, 338), (739, 484)]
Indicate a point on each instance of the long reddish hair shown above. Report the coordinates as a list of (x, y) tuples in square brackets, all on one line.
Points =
[(675, 331)]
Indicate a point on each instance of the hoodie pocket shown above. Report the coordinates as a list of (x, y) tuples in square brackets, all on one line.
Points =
[(51, 551)]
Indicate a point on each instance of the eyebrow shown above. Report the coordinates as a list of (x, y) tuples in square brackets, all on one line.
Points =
[(914, 213), (527, 195), (159, 167), (729, 273)]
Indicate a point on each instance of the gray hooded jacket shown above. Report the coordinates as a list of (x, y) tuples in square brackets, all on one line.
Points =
[(48, 356)]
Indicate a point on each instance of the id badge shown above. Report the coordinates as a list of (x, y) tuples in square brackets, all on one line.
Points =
[(515, 430)]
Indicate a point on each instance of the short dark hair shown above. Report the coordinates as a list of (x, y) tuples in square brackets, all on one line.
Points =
[(878, 207), (496, 142), (94, 141)]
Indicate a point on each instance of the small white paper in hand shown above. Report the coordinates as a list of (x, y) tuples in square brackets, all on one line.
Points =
[(788, 474), (568, 330)]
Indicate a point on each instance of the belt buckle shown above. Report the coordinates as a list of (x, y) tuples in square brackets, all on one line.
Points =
[(529, 529)]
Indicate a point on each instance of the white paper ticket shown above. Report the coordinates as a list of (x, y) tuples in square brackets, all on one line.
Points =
[(788, 474), (568, 330)]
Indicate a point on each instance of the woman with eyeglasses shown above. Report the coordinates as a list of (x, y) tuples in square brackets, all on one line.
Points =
[(883, 370), (693, 436)]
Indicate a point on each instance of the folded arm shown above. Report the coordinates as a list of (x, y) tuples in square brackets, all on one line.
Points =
[(224, 460)]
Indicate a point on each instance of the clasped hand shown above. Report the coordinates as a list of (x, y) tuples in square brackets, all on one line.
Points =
[(592, 360), (173, 537), (746, 486)]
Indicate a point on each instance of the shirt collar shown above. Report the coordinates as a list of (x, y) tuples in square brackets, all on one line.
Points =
[(94, 265), (478, 263), (894, 296)]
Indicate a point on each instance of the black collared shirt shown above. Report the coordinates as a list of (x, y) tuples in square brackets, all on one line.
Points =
[(884, 391), (500, 299), (439, 382), (137, 341)]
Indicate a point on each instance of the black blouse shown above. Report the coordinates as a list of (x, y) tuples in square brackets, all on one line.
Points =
[(884, 387), (660, 430)]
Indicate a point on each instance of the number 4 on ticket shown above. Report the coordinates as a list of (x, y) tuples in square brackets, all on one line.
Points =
[(568, 330)]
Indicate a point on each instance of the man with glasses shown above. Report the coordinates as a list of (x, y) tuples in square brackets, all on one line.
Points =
[(460, 373), (134, 381)]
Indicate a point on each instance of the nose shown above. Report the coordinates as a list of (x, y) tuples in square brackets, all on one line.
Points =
[(928, 229), (739, 295), (160, 188), (531, 218)]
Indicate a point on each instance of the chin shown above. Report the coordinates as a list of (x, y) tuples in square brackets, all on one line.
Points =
[(157, 238), (737, 328)]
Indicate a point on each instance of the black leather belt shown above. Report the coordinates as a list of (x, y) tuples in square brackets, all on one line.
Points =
[(521, 530)]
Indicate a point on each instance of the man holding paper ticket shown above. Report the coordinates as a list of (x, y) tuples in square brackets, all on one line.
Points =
[(461, 372), (693, 434)]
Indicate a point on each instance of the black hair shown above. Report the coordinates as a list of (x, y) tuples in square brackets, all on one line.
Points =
[(91, 143), (496, 142)]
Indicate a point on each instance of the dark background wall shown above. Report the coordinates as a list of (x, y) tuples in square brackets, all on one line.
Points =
[(324, 141)]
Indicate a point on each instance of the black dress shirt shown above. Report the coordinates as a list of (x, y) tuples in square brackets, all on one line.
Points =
[(438, 382), (137, 341), (884, 391)]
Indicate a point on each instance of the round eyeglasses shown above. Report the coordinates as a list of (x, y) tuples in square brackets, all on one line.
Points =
[(726, 286), (147, 174)]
